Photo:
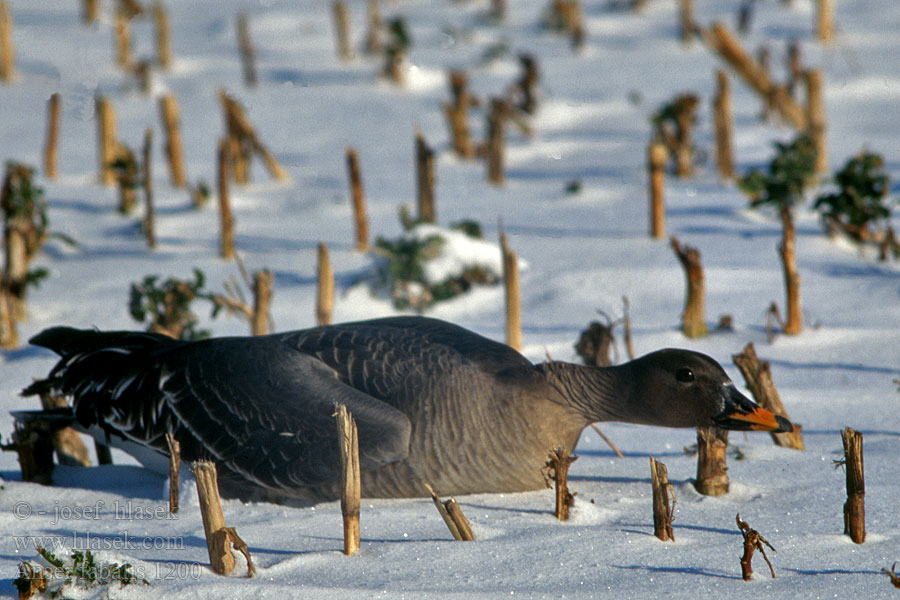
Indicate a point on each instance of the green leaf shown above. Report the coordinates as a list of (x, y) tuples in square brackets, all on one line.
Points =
[(790, 172), (469, 227), (34, 276), (861, 199)]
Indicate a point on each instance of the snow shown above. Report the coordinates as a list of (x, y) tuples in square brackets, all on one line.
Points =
[(585, 252)]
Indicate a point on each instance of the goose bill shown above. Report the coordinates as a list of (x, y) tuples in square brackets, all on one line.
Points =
[(743, 414)]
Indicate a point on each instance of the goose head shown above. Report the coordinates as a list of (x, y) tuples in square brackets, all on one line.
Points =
[(682, 388)]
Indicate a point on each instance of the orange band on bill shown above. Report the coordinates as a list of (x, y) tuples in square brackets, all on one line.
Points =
[(760, 419)]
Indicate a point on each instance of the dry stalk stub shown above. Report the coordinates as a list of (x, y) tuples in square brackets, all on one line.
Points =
[(684, 149), (90, 9), (663, 511), (70, 449), (107, 139), (764, 59), (248, 55), (723, 114), (169, 110), (712, 472), (895, 578), (220, 557), (262, 299), (558, 469), (33, 442), (174, 471), (855, 506), (566, 17), (758, 375), (374, 43), (498, 10), (794, 67), (788, 252), (512, 294), (495, 148), (815, 118), (657, 156), (358, 200), (342, 30), (147, 178), (825, 20), (526, 87), (54, 109), (453, 517), (348, 443), (219, 538), (163, 37), (142, 72), (7, 52), (693, 324), (576, 24), (424, 179), (130, 8), (235, 303), (123, 39), (244, 141), (9, 335), (626, 325), (725, 43), (688, 25), (325, 287), (457, 113), (226, 220), (752, 541)]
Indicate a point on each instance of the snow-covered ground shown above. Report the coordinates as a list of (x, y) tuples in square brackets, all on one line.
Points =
[(585, 252)]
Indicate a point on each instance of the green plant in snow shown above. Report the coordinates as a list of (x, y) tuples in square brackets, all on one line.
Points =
[(24, 210), (789, 174), (494, 52), (401, 267), (396, 49), (407, 219), (127, 172), (399, 34), (469, 227), (167, 306), (673, 125), (24, 215), (22, 198), (861, 202), (200, 194), (82, 570), (406, 255)]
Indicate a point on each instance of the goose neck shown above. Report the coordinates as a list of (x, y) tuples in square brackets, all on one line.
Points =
[(597, 393)]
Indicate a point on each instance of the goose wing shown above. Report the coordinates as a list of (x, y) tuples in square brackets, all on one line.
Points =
[(379, 354), (258, 406), (266, 411)]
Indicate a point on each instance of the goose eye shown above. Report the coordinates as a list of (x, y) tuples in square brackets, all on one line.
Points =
[(685, 375)]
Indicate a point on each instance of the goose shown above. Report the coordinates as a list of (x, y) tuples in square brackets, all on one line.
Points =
[(433, 402)]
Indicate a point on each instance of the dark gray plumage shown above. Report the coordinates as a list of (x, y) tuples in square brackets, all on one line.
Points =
[(433, 402)]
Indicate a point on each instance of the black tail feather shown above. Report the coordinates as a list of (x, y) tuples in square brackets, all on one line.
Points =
[(67, 341), (94, 362)]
